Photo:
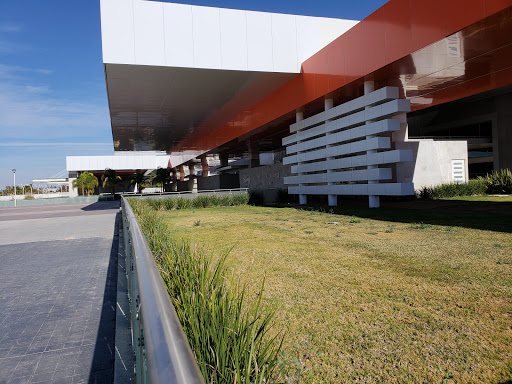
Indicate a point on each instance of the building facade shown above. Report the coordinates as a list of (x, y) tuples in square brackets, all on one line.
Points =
[(416, 94)]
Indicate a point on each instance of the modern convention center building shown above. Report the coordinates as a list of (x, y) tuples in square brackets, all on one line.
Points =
[(416, 94)]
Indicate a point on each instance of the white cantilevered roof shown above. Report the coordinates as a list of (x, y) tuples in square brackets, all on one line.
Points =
[(116, 162), (171, 68)]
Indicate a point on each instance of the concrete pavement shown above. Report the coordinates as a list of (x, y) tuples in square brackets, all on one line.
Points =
[(58, 279)]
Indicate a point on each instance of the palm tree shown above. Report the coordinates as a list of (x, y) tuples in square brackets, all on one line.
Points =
[(86, 182), (138, 180), (110, 179)]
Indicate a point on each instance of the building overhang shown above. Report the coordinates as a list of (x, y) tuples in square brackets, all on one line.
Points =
[(172, 69)]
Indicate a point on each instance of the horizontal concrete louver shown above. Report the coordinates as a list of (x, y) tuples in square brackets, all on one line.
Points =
[(325, 148)]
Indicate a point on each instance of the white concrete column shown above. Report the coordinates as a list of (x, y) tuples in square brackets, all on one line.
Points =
[(181, 170), (73, 192), (331, 199), (373, 201), (303, 199), (205, 169)]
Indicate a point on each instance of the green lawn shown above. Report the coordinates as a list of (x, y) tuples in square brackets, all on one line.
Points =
[(413, 292)]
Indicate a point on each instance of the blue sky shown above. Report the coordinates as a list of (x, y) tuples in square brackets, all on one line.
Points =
[(53, 99)]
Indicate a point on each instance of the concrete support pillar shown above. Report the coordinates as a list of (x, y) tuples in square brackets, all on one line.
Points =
[(303, 199), (332, 200), (502, 133), (254, 153), (181, 170), (373, 201), (174, 180), (223, 157), (191, 170), (73, 192), (205, 169)]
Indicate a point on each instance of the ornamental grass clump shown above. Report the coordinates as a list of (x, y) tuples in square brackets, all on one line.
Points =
[(228, 332), (471, 188), (200, 201), (499, 182)]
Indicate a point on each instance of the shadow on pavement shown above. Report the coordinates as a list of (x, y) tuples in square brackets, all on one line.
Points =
[(102, 367), (102, 205)]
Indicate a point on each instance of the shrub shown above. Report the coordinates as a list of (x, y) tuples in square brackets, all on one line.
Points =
[(200, 201), (29, 197), (256, 198), (155, 204), (472, 187), (498, 183), (240, 199), (228, 335)]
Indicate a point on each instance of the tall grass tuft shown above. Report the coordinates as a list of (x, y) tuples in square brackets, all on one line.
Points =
[(200, 201), (499, 182), (227, 331)]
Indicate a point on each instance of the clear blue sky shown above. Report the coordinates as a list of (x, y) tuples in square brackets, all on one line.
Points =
[(53, 99)]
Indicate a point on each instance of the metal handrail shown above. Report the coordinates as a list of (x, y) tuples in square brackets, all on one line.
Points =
[(162, 352)]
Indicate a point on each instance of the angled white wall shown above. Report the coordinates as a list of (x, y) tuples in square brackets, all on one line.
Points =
[(177, 35)]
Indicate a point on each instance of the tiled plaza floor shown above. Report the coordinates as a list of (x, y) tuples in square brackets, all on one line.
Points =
[(57, 303)]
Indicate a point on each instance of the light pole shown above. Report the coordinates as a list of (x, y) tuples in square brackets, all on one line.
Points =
[(14, 173)]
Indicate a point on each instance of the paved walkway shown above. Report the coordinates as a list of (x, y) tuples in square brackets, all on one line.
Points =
[(58, 276)]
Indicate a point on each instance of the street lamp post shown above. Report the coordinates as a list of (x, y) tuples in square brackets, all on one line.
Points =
[(14, 173)]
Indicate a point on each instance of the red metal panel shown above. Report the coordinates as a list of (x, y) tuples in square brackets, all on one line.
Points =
[(398, 30), (374, 40), (427, 22), (354, 57), (336, 64), (459, 14), (493, 6)]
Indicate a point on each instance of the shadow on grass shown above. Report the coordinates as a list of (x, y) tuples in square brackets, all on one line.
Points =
[(484, 215)]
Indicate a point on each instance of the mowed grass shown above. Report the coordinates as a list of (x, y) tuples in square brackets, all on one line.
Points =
[(368, 300)]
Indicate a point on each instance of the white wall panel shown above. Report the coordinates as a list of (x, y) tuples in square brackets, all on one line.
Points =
[(179, 39), (233, 39), (159, 33), (116, 162), (206, 32), (308, 36), (259, 41), (284, 43), (117, 31), (148, 24)]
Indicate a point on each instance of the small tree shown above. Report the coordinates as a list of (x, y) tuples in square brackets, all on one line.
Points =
[(86, 182), (163, 176), (138, 180), (110, 179)]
